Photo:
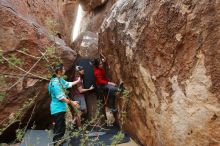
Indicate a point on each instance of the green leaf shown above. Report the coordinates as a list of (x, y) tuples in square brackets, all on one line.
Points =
[(2, 96), (117, 138), (24, 50), (1, 56), (14, 60)]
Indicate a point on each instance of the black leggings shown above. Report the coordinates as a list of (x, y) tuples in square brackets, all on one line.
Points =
[(60, 126)]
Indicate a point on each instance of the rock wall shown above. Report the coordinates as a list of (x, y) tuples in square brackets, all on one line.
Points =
[(94, 17), (167, 52), (86, 45), (89, 5), (31, 33), (68, 11)]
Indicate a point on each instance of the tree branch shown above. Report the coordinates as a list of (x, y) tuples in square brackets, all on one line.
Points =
[(39, 77), (26, 72)]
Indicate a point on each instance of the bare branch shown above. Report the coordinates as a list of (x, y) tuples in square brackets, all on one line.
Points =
[(27, 72), (39, 77), (17, 75), (22, 52)]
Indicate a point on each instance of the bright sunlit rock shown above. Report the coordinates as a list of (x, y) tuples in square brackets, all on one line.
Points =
[(76, 28)]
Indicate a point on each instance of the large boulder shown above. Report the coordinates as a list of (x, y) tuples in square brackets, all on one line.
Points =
[(89, 5), (30, 43), (86, 45), (68, 11), (92, 21), (167, 52)]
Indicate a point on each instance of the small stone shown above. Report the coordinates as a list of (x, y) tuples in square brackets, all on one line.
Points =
[(179, 37)]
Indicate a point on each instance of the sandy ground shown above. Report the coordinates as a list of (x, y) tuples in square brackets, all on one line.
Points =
[(131, 143)]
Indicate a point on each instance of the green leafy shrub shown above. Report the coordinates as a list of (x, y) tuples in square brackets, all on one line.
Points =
[(14, 60), (20, 134), (2, 96), (51, 25), (1, 56), (117, 138), (50, 51)]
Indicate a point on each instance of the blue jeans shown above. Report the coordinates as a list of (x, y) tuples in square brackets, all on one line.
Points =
[(111, 90)]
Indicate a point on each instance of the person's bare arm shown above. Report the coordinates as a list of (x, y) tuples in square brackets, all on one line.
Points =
[(111, 83), (82, 90), (75, 82), (73, 103)]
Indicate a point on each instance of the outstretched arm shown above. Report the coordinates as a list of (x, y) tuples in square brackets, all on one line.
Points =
[(82, 90), (75, 82)]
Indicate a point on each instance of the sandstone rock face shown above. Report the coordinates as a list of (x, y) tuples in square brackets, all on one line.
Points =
[(86, 45), (89, 5), (61, 13), (92, 20), (68, 17), (167, 52), (29, 44)]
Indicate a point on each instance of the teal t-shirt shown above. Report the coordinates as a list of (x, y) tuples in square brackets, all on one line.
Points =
[(57, 92)]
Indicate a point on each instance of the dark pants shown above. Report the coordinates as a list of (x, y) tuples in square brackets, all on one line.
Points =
[(111, 90), (60, 126)]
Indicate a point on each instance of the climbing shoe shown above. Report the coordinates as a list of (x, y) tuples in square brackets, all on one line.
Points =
[(121, 87), (113, 110)]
